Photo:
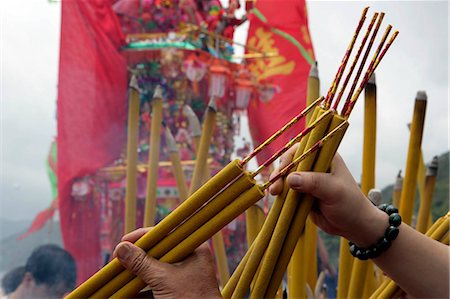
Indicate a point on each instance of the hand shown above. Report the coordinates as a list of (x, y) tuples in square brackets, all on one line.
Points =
[(192, 278), (341, 208)]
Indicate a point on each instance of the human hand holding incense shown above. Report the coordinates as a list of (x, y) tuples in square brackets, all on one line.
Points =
[(342, 209), (192, 278), (418, 264)]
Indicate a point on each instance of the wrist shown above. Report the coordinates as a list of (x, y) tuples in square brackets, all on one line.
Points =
[(371, 228), (383, 244)]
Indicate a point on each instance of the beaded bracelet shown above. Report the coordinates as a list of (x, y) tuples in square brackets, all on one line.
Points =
[(384, 243)]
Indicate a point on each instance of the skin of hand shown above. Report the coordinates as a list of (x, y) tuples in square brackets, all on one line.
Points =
[(194, 277), (342, 209)]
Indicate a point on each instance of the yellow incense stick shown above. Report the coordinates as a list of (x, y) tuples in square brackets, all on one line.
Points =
[(426, 199), (195, 201), (188, 245), (412, 162), (218, 243), (228, 289), (397, 192), (322, 164), (307, 257), (421, 175), (313, 90), (132, 142), (259, 246), (203, 149), (273, 250), (345, 269), (177, 168), (153, 158), (297, 269), (243, 183), (253, 224), (361, 268), (221, 258)]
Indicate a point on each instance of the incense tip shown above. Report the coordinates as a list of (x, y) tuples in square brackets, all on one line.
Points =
[(432, 168), (187, 110), (314, 72), (157, 94), (133, 83), (365, 9), (372, 80), (421, 95), (398, 182), (212, 103), (194, 123), (375, 196), (170, 141)]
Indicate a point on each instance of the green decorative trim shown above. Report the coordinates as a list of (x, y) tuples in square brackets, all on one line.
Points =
[(286, 36), (259, 15), (152, 45)]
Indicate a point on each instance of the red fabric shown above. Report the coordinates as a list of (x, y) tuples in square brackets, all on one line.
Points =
[(289, 71), (91, 118)]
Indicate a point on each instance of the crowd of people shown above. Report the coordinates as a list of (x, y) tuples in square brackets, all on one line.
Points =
[(50, 272)]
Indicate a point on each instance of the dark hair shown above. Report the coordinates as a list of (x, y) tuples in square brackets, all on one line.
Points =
[(53, 266), (12, 279)]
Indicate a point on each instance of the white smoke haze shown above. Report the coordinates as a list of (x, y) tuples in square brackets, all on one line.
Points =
[(418, 60)]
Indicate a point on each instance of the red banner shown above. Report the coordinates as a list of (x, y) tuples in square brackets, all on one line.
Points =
[(91, 118), (279, 28)]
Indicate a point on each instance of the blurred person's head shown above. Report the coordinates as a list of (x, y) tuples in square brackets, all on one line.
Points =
[(50, 272), (12, 279)]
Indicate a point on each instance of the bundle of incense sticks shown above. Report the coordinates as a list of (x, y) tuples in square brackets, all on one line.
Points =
[(231, 191), (200, 216), (439, 231), (263, 267)]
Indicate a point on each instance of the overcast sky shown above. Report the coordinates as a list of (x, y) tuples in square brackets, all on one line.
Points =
[(418, 61)]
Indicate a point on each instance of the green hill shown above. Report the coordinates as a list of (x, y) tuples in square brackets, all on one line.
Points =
[(441, 192)]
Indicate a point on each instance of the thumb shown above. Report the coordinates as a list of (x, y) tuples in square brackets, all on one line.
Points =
[(319, 185), (150, 270)]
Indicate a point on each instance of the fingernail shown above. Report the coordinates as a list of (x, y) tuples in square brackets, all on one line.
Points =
[(123, 251), (295, 180)]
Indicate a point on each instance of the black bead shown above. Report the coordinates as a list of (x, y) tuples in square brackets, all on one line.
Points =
[(383, 207), (353, 249), (373, 253), (395, 219), (391, 233), (391, 209), (361, 254), (383, 245)]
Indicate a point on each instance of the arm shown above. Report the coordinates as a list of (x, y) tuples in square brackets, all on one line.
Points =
[(418, 264)]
